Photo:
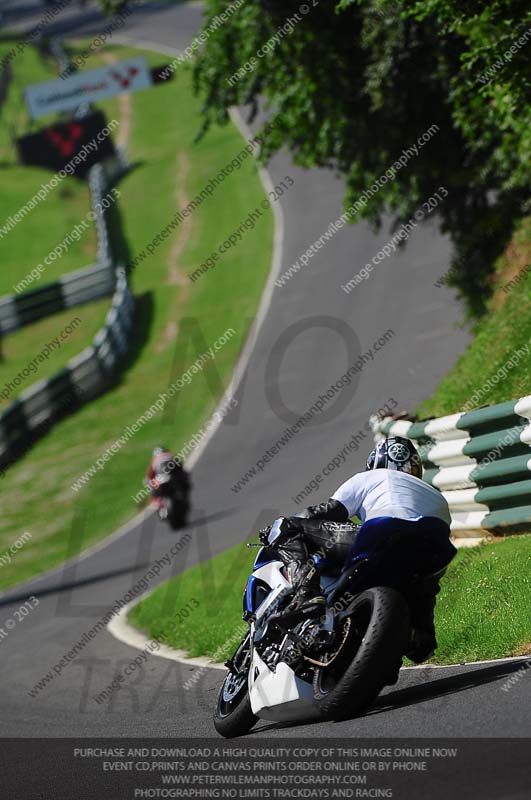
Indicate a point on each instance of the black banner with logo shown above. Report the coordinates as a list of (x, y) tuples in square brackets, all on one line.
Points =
[(71, 146)]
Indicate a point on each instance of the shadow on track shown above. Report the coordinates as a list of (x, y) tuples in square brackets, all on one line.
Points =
[(202, 519), (412, 695), (442, 687), (65, 585), (57, 588)]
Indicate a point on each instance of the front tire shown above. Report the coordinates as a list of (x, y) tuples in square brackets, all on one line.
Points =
[(377, 635), (233, 715)]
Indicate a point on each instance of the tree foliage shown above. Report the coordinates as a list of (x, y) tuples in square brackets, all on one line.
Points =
[(350, 85)]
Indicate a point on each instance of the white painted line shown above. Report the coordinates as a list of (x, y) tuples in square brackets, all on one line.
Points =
[(120, 628), (507, 660), (126, 633)]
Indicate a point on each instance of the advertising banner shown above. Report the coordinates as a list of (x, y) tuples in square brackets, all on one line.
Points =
[(88, 87), (80, 143)]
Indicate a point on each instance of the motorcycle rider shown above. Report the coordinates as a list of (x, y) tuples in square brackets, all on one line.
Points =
[(163, 463), (390, 489)]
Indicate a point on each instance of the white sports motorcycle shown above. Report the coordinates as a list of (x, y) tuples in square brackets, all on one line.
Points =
[(311, 668)]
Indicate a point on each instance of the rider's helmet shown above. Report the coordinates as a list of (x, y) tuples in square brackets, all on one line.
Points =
[(158, 451), (398, 453)]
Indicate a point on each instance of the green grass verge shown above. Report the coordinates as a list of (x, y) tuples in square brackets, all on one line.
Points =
[(217, 588), (36, 493), (483, 610), (26, 245), (499, 333), (45, 227)]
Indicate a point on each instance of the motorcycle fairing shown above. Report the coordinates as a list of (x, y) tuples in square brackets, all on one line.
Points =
[(279, 695), (267, 574)]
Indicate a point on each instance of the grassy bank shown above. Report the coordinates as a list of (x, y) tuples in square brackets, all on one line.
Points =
[(25, 247), (503, 330), (483, 611), (176, 321)]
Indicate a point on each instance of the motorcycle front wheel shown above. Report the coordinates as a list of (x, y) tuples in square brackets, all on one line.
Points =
[(233, 715), (376, 631)]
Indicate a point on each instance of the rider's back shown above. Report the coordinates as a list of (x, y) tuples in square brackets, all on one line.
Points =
[(390, 493)]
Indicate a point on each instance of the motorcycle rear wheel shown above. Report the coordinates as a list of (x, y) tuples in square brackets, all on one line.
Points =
[(377, 638), (177, 513), (233, 715)]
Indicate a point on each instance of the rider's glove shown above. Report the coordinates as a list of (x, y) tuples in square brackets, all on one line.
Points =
[(281, 527), (263, 534)]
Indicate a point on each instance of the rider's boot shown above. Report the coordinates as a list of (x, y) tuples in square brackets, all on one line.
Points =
[(423, 644), (423, 641), (308, 598)]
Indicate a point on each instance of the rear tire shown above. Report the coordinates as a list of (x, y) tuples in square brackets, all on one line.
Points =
[(177, 513), (371, 656)]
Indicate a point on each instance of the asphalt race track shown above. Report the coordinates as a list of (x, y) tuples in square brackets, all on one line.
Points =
[(330, 329)]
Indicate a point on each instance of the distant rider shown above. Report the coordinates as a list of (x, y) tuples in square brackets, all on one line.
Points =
[(163, 463), (390, 489)]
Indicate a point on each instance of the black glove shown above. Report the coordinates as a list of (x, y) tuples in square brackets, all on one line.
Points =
[(263, 534), (290, 526)]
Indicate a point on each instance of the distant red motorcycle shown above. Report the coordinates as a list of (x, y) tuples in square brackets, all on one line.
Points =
[(171, 502), (169, 484)]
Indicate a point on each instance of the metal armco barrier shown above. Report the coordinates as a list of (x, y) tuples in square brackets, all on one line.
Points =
[(82, 286), (86, 376), (480, 461)]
